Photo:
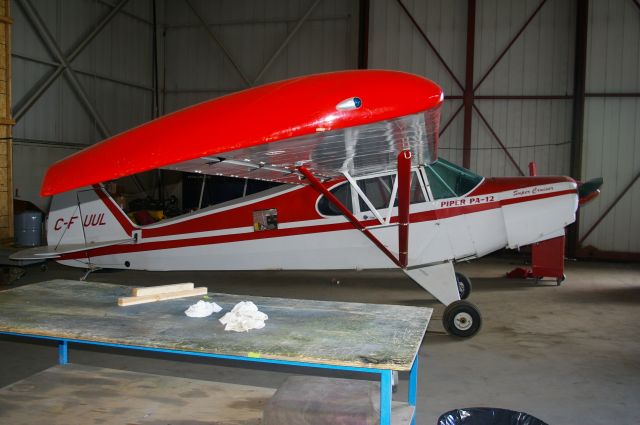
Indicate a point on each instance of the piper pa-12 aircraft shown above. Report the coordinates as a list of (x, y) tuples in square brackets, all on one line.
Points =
[(364, 189)]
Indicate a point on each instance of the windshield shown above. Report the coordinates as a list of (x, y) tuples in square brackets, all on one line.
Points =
[(359, 150), (448, 180)]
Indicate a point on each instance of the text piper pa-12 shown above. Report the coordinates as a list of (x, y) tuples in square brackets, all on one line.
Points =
[(363, 189)]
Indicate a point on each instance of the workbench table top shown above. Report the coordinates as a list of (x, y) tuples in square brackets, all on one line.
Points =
[(333, 333)]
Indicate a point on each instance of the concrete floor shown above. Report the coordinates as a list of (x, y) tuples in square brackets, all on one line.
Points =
[(568, 354)]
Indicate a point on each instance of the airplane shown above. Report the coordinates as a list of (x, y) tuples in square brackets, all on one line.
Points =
[(361, 187)]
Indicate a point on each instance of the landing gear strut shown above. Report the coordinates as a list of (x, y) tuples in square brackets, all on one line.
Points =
[(464, 285)]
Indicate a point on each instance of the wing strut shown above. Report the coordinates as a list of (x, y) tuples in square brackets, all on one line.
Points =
[(404, 182), (404, 194)]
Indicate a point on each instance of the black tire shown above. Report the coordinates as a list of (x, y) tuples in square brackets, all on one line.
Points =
[(561, 279), (464, 285), (462, 319)]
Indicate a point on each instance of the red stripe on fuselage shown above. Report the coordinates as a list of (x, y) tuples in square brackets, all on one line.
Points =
[(117, 212), (430, 215), (292, 206)]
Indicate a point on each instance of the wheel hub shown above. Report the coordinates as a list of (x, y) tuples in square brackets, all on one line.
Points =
[(463, 321)]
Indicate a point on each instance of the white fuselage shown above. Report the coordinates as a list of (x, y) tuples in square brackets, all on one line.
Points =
[(440, 230)]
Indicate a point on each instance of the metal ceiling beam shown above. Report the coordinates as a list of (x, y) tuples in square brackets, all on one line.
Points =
[(469, 90), (433, 48), (216, 40), (272, 21), (51, 44), (48, 143), (495, 136), (126, 13), (83, 72), (630, 94), (364, 7), (203, 90), (579, 87), (286, 41), (511, 43), (525, 97), (63, 61), (518, 97), (273, 57), (577, 124), (444, 128), (468, 99)]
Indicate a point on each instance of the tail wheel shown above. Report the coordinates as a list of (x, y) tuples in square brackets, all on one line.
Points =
[(464, 285), (462, 319)]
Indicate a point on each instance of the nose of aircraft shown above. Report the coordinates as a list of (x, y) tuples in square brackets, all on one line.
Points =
[(588, 190)]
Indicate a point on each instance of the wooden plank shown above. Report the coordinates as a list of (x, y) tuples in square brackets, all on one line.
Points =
[(161, 289), (334, 333), (126, 301)]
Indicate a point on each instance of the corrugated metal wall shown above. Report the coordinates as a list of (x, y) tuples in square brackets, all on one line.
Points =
[(265, 41), (612, 125), (394, 43), (539, 63), (114, 71)]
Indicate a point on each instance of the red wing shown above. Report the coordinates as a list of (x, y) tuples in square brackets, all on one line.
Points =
[(305, 119)]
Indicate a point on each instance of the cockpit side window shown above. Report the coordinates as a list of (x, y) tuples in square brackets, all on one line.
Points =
[(343, 193), (378, 190), (448, 180)]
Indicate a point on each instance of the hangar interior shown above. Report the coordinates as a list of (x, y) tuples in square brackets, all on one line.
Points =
[(556, 82)]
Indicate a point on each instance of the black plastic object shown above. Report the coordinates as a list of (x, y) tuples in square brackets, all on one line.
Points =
[(487, 416)]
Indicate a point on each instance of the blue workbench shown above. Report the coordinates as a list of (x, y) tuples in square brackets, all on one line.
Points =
[(351, 337)]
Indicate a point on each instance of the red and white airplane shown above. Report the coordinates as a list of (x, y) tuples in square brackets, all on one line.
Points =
[(364, 190)]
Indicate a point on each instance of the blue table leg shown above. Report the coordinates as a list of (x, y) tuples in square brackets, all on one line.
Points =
[(413, 387), (386, 383), (63, 352)]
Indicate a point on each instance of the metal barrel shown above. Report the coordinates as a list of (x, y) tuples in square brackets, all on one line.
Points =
[(28, 228)]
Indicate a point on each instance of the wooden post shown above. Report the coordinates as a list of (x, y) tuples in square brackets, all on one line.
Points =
[(6, 124)]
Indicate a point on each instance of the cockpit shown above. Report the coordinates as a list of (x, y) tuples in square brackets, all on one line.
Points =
[(448, 180)]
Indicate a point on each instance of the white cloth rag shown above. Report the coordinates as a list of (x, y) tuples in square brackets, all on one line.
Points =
[(243, 317), (202, 309)]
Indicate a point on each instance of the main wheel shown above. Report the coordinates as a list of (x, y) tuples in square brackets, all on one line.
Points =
[(464, 286), (462, 319)]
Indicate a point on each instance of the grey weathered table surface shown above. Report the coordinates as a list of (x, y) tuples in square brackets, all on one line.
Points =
[(334, 333)]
